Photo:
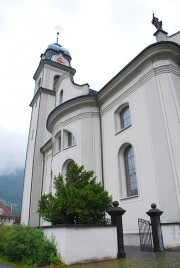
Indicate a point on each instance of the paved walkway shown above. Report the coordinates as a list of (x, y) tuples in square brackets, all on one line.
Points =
[(137, 258)]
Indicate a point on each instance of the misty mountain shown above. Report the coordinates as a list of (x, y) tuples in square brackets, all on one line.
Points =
[(11, 187)]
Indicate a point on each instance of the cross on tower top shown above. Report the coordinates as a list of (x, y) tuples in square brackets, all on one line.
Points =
[(58, 28)]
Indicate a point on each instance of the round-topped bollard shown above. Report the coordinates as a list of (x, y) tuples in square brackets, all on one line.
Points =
[(116, 218), (154, 214)]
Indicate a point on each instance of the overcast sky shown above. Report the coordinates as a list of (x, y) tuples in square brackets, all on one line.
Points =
[(102, 36)]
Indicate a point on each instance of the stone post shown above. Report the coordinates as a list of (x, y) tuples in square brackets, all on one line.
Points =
[(155, 214), (116, 218)]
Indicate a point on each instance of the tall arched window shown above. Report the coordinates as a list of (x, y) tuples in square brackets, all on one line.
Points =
[(55, 82), (66, 165), (127, 172), (130, 171)]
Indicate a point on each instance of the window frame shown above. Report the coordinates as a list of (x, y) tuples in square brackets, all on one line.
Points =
[(118, 115), (130, 171), (58, 142), (123, 176), (63, 141), (66, 139), (55, 81), (125, 117), (65, 166)]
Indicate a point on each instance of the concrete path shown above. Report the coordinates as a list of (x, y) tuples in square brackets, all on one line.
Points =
[(137, 259)]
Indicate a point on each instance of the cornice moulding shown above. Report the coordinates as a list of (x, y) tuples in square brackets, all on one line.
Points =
[(75, 118), (53, 64), (68, 107), (155, 71), (47, 146), (162, 50), (39, 91)]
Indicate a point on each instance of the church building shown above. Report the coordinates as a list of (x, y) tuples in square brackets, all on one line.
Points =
[(128, 132)]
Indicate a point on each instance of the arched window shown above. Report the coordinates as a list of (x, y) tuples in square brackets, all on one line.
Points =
[(130, 170), (55, 82), (127, 168), (63, 140), (122, 117), (66, 165), (125, 118), (61, 97)]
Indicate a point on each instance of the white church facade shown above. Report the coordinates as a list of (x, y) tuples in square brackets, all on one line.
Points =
[(128, 132)]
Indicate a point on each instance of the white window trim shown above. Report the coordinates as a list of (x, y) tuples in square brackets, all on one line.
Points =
[(118, 128), (63, 133)]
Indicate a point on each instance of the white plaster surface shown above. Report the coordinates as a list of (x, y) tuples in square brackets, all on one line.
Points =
[(171, 235), (84, 244)]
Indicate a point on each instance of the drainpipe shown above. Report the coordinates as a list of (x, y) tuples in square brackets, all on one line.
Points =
[(100, 122)]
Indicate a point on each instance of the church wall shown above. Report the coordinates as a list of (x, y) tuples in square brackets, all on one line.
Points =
[(47, 180), (138, 136), (48, 74), (46, 105), (60, 158), (160, 150), (175, 82), (49, 105), (90, 146), (29, 163), (154, 136), (70, 90), (47, 183), (85, 127), (165, 136)]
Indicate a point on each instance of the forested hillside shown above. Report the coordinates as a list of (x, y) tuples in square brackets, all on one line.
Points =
[(11, 187)]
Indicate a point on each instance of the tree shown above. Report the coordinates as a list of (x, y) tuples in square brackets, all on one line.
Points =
[(78, 199)]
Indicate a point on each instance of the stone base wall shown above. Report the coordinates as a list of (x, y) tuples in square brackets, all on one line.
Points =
[(80, 244), (86, 243)]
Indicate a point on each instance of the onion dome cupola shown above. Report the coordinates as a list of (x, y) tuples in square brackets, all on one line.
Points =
[(54, 63), (55, 52)]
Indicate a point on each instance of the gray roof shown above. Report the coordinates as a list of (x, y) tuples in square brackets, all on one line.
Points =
[(54, 49)]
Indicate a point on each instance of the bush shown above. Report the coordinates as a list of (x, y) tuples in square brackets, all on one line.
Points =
[(27, 245), (78, 199)]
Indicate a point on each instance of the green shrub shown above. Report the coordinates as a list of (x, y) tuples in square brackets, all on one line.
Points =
[(78, 199), (4, 230), (27, 245)]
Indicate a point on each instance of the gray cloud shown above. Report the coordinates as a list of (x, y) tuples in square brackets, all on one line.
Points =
[(12, 151)]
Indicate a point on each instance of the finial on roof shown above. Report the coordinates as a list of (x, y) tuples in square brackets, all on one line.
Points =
[(158, 24), (58, 28)]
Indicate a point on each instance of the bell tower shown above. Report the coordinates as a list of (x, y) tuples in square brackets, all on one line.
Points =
[(55, 62)]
